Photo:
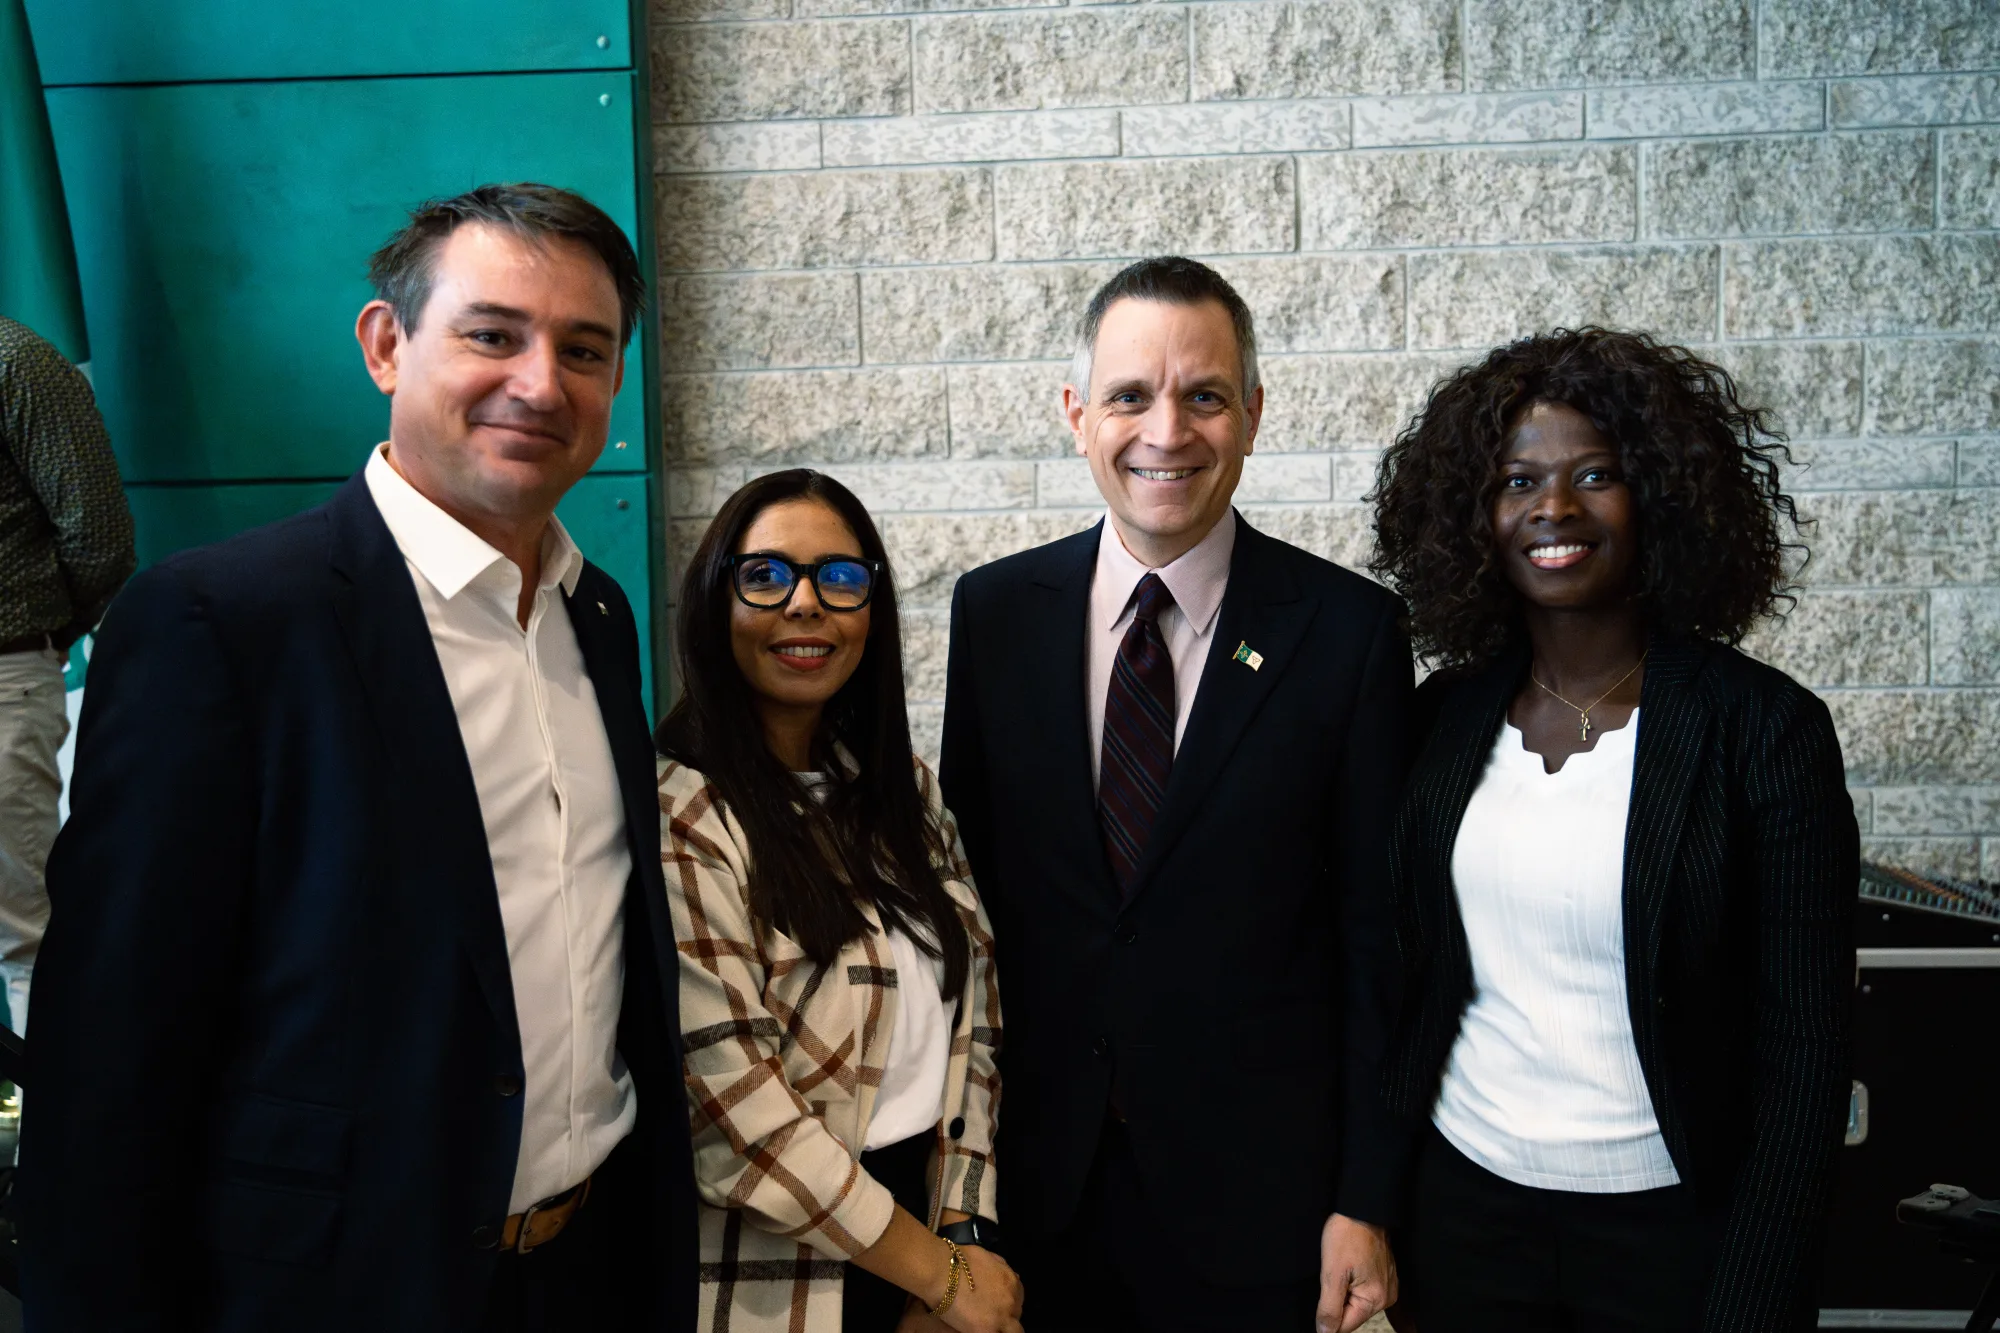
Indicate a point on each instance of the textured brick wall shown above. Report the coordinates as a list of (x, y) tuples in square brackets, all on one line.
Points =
[(879, 218)]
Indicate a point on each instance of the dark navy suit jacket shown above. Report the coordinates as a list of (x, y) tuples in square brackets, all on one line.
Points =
[(1238, 998), (275, 1062)]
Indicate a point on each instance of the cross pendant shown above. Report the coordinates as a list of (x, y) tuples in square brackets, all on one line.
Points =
[(1585, 731)]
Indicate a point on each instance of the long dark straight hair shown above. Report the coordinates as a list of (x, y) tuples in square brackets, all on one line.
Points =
[(813, 863)]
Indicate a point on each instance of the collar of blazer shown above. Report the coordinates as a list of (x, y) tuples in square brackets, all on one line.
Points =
[(1263, 607), (1676, 717), (435, 806)]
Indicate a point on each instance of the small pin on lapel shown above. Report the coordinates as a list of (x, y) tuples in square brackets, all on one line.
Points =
[(601, 610), (1249, 656)]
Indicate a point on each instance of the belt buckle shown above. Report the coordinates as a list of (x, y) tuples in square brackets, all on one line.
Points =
[(521, 1245)]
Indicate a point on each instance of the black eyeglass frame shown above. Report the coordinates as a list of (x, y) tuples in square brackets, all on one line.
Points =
[(800, 573)]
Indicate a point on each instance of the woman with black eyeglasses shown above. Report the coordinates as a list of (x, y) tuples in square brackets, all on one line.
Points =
[(838, 1003)]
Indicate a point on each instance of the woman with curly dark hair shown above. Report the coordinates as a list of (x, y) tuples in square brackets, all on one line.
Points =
[(1626, 860)]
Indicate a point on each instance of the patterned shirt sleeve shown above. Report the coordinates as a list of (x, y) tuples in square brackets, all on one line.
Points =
[(970, 1183), (70, 547)]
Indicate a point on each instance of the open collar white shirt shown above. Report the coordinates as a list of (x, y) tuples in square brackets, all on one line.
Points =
[(1197, 581), (554, 816)]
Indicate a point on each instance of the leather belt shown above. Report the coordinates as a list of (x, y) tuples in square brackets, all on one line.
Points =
[(27, 643), (543, 1221)]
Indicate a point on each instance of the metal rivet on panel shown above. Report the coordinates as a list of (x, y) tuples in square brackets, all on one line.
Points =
[(603, 42), (604, 99), (624, 504), (620, 444)]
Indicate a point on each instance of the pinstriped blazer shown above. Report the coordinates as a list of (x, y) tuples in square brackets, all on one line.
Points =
[(1741, 864), (783, 1063)]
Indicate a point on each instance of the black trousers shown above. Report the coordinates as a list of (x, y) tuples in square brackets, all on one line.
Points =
[(1117, 1269), (867, 1303), (581, 1281), (1485, 1255)]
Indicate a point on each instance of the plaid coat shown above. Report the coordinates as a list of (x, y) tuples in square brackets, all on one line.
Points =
[(783, 1061)]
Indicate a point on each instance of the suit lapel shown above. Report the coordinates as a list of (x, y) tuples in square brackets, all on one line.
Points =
[(632, 755), (377, 606), (624, 719), (1052, 686), (1264, 609), (1448, 771), (1673, 728)]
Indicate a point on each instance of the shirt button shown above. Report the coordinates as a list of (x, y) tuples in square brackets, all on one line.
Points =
[(1128, 937), (485, 1237), (1101, 1047), (1662, 1002), (957, 1127), (507, 1085)]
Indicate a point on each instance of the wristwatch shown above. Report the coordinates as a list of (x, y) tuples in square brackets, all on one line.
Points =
[(974, 1231)]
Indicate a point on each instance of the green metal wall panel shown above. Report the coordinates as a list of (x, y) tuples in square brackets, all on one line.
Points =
[(223, 232), (174, 518), (164, 41), (605, 514)]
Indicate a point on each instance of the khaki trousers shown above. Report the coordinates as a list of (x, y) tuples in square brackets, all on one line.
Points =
[(33, 725)]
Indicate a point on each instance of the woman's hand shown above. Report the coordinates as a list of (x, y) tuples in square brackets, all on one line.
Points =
[(908, 1255), (989, 1295), (916, 1319)]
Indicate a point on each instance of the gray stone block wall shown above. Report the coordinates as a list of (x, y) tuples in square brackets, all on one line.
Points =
[(878, 220)]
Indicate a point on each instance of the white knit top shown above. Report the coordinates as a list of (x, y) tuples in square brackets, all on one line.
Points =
[(1544, 1086)]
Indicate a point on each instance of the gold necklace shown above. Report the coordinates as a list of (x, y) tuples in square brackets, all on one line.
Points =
[(1583, 714)]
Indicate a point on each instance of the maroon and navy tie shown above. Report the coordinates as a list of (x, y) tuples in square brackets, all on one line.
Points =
[(1138, 754)]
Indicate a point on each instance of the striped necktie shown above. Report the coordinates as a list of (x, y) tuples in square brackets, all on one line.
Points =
[(1138, 753)]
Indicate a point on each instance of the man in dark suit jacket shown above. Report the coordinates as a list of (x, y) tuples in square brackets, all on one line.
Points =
[(1173, 745), (357, 1008)]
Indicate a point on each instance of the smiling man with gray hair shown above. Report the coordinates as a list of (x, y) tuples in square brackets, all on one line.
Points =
[(1174, 745)]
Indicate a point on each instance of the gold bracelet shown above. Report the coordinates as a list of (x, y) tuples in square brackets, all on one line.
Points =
[(951, 1278)]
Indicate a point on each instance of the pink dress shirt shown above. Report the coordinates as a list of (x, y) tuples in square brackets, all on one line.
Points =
[(1197, 580)]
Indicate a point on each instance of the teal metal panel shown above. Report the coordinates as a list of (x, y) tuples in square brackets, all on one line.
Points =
[(605, 514), (164, 41), (174, 518), (223, 233)]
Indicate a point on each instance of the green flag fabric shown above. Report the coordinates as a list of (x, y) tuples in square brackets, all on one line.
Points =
[(38, 285)]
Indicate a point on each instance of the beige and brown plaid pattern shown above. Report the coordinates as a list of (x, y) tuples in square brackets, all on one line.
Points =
[(783, 1062)]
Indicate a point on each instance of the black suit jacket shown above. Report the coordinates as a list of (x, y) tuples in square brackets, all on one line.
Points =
[(276, 1064), (1741, 865), (1240, 997)]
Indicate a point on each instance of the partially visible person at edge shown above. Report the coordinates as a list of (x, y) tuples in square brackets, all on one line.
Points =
[(1174, 745), (838, 997), (1626, 862), (356, 1008), (65, 549)]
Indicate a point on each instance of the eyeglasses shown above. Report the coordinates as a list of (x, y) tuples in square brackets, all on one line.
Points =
[(767, 582)]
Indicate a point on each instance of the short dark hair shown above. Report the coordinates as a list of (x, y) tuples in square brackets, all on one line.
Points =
[(1702, 465), (872, 840), (402, 270), (1171, 280)]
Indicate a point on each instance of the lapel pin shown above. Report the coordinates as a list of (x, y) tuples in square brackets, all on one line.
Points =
[(601, 610), (1249, 656)]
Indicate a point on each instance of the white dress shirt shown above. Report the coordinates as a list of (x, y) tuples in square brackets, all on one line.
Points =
[(1544, 1087), (554, 816), (1197, 580)]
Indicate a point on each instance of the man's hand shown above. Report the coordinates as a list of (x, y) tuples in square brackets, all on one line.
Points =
[(1357, 1274)]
